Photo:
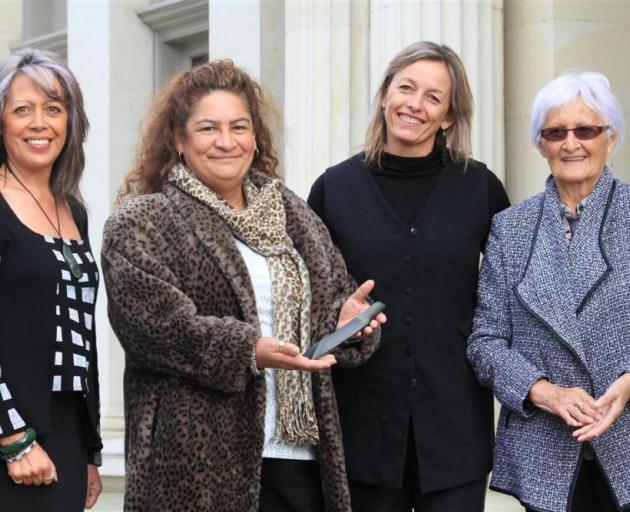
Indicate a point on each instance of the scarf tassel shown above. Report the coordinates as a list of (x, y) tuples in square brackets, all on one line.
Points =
[(297, 425)]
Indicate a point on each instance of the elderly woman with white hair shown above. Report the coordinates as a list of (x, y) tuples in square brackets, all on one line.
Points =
[(551, 327)]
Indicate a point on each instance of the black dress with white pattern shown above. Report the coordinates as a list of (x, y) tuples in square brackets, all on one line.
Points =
[(48, 365), (74, 312)]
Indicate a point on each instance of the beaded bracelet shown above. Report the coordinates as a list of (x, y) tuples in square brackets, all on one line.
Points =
[(16, 446), (252, 365), (20, 455)]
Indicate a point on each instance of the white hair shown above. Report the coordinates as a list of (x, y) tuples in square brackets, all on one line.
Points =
[(591, 87)]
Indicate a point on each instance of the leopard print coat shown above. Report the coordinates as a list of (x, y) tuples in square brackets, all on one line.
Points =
[(182, 305)]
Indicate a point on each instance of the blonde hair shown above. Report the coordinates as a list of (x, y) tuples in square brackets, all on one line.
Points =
[(458, 138)]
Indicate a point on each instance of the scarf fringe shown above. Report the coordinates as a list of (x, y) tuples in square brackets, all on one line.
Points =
[(295, 425)]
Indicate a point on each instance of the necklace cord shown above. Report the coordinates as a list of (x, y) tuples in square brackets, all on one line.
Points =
[(68, 255), (56, 228)]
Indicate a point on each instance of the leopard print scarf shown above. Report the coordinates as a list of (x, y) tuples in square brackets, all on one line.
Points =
[(262, 226)]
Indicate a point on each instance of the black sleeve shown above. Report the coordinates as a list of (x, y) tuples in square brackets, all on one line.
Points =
[(10, 420), (316, 197), (95, 457), (497, 201), (497, 197)]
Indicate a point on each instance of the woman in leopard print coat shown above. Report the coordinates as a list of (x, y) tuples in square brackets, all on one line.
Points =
[(184, 302)]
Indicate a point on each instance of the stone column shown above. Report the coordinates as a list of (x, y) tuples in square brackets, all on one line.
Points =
[(326, 87), (234, 32), (109, 50), (251, 33)]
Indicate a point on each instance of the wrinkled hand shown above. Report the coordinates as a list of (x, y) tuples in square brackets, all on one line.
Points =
[(34, 469), (574, 405), (355, 304), (94, 486), (611, 405), (272, 353)]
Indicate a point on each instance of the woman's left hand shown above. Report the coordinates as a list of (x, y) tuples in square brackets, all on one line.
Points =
[(611, 405), (94, 486), (357, 303)]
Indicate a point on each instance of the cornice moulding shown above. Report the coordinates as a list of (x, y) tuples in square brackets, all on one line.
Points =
[(175, 20)]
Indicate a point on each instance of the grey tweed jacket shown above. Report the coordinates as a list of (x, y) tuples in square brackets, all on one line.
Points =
[(563, 313)]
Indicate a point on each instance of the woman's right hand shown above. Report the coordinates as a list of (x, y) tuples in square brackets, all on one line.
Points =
[(34, 469), (271, 353), (574, 405)]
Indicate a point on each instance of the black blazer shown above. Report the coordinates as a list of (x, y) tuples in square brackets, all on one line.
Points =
[(427, 277)]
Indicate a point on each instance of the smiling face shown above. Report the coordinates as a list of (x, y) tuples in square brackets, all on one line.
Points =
[(219, 142), (576, 165), (34, 126), (416, 105)]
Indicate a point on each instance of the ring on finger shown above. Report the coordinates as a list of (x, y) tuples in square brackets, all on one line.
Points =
[(18, 482), (281, 346)]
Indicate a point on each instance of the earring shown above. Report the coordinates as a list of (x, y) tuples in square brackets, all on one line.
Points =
[(256, 153), (441, 141), (384, 125), (179, 158)]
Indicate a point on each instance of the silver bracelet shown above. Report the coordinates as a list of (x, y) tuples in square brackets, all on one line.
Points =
[(22, 454), (252, 365)]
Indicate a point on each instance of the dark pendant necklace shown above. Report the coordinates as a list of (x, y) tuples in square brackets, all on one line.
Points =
[(72, 262)]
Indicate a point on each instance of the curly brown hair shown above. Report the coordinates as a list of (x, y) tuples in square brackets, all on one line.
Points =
[(167, 118)]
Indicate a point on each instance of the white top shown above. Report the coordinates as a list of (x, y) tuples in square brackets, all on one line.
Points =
[(261, 281)]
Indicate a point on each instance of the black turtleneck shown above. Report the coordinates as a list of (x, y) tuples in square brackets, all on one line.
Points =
[(406, 182)]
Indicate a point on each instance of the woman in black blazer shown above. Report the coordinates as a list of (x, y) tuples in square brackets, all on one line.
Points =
[(413, 212)]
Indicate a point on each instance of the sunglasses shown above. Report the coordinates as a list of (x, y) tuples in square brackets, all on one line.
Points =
[(586, 132)]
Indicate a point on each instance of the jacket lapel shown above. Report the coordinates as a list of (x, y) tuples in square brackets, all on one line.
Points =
[(588, 263), (545, 288), (217, 239), (558, 280)]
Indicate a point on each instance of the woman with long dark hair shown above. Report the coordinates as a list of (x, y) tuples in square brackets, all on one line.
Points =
[(49, 434)]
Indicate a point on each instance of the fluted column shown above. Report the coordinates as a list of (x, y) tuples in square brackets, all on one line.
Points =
[(326, 93)]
